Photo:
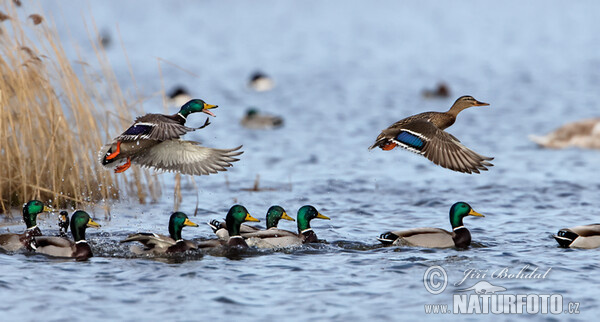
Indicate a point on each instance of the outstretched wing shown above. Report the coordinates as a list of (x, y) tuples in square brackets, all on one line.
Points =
[(156, 127), (440, 147), (186, 157)]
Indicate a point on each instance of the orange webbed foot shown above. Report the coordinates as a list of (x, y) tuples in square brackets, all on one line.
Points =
[(124, 167), (114, 154)]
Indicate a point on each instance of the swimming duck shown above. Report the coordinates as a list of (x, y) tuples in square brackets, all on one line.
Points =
[(441, 91), (260, 82), (63, 247), (153, 142), (277, 238), (587, 236), (582, 134), (236, 215), (274, 214), (257, 121), (63, 224), (161, 244), (178, 96), (15, 242), (460, 237), (424, 134)]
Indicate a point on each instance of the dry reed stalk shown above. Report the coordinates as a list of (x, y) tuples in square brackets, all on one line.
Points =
[(53, 121)]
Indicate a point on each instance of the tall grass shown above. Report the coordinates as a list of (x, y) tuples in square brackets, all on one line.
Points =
[(53, 121)]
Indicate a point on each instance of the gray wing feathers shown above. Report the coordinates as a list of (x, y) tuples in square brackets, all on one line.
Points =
[(186, 157)]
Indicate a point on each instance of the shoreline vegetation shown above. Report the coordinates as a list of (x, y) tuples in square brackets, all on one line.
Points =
[(55, 115)]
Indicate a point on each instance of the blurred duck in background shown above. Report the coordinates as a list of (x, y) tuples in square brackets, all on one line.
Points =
[(178, 96), (260, 82), (441, 91), (258, 121), (582, 134)]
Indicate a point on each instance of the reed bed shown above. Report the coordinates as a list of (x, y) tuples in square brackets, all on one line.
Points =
[(55, 115)]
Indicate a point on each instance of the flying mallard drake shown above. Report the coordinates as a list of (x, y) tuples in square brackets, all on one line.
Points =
[(424, 134), (15, 242), (277, 238), (63, 247), (161, 244), (460, 237), (236, 215), (258, 121), (582, 134), (153, 142), (587, 236), (274, 214)]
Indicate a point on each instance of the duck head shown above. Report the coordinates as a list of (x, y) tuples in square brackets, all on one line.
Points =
[(30, 211), (80, 221), (305, 215), (460, 210), (235, 217), (196, 105), (176, 223), (274, 214), (464, 102)]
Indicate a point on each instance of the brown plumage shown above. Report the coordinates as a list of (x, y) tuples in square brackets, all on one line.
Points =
[(424, 134)]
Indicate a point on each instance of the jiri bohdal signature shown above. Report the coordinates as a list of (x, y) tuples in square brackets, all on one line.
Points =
[(504, 273)]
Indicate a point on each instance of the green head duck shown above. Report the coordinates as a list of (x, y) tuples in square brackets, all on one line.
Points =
[(196, 105), (274, 214), (176, 223)]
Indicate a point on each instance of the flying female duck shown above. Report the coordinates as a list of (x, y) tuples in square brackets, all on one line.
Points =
[(153, 142), (15, 242), (161, 244), (274, 214), (460, 237), (587, 236), (277, 238), (236, 215), (424, 134), (582, 134), (63, 247)]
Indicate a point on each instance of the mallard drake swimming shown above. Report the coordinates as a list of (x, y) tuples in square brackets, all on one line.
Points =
[(153, 142), (63, 247), (161, 244), (260, 82), (441, 91), (582, 134), (236, 215), (460, 237), (258, 121), (587, 236), (424, 134), (178, 96), (15, 242), (274, 214), (277, 238)]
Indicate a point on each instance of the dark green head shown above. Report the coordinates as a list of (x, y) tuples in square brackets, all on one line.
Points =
[(460, 210), (305, 215), (30, 211), (80, 221), (176, 223), (235, 217), (251, 112), (274, 214), (196, 105)]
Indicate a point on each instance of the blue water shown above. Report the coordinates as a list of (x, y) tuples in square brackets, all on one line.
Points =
[(344, 70)]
